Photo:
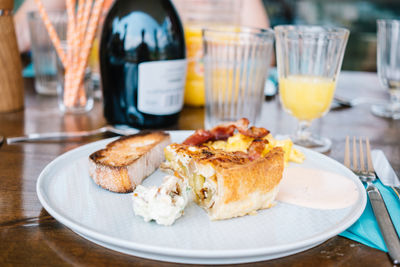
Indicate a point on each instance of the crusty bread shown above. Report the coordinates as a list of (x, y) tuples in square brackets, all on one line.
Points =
[(228, 184), (124, 163)]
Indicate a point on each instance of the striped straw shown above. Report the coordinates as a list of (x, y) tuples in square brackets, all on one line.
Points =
[(77, 35), (85, 20), (71, 26), (83, 56), (81, 31), (52, 33), (73, 43)]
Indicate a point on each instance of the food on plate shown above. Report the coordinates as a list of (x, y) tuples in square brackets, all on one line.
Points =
[(125, 162), (230, 171), (245, 139), (164, 204), (228, 184), (240, 142), (233, 169), (225, 130)]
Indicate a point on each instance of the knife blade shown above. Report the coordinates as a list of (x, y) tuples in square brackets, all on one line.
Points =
[(120, 130), (385, 171)]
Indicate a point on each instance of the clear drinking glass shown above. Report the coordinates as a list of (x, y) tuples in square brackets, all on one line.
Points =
[(83, 100), (236, 63), (44, 56), (309, 59), (74, 102), (388, 61)]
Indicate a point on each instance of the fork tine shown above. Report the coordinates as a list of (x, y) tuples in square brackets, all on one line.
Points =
[(347, 153), (362, 164), (369, 161), (355, 164)]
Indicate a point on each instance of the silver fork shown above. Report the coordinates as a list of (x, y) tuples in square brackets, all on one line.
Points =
[(368, 176), (68, 135)]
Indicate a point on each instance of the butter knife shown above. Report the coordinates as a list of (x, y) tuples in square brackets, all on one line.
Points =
[(385, 171), (69, 135)]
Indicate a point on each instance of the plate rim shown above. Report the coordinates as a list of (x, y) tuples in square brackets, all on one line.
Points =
[(201, 260), (232, 253)]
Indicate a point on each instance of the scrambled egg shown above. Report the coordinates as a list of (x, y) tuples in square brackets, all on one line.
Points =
[(239, 142)]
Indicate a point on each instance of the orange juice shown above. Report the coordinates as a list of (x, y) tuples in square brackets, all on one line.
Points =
[(194, 89), (93, 60), (306, 97)]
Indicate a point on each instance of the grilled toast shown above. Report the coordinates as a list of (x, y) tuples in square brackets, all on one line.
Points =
[(125, 162)]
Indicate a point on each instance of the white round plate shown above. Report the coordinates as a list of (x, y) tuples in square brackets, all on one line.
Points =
[(67, 192)]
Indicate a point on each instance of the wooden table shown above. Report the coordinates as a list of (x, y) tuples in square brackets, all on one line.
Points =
[(30, 236)]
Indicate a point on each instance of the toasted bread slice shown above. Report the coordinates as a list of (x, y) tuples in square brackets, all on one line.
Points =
[(124, 163), (228, 184)]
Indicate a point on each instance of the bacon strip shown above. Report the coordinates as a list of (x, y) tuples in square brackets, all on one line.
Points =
[(224, 131), (199, 137), (255, 132), (242, 126), (256, 148)]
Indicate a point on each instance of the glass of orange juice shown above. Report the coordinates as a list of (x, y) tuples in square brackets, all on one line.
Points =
[(309, 59), (197, 15)]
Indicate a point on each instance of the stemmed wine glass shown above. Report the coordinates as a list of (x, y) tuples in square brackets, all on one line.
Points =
[(388, 61), (309, 59)]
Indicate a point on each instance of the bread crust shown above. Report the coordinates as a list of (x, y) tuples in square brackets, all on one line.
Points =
[(125, 162)]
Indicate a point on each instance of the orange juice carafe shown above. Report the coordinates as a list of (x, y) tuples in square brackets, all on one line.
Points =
[(196, 15)]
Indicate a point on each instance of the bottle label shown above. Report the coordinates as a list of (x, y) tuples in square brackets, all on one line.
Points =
[(160, 86)]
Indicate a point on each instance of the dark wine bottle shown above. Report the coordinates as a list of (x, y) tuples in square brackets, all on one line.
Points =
[(143, 63)]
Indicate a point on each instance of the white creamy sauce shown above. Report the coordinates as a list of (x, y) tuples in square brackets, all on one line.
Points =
[(312, 188), (162, 204)]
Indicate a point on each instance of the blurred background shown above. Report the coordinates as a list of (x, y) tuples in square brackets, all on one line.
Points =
[(358, 16)]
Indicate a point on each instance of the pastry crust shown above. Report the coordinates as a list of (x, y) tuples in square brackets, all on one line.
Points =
[(261, 175), (234, 185)]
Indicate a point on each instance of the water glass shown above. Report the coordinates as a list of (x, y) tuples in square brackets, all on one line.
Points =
[(44, 56), (388, 61), (309, 59), (236, 63)]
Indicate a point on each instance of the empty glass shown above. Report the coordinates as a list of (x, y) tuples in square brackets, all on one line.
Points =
[(236, 63), (309, 59), (43, 53), (388, 61)]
